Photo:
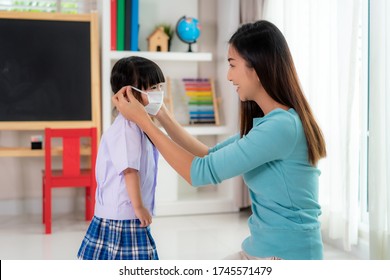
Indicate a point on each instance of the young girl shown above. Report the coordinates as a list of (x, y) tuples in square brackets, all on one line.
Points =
[(277, 149), (126, 174)]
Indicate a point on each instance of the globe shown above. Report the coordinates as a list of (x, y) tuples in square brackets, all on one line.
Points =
[(188, 30)]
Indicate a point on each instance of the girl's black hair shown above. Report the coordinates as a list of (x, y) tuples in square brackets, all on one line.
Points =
[(135, 71)]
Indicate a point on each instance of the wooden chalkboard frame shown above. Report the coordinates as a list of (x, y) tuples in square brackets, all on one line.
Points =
[(92, 18)]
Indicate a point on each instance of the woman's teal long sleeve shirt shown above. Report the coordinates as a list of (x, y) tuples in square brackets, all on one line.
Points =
[(283, 185)]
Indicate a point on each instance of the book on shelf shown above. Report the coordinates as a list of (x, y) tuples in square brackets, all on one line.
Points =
[(134, 25), (113, 24), (124, 25), (128, 24), (120, 25)]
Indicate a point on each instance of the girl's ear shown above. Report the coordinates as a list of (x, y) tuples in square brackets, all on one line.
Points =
[(137, 95), (141, 97)]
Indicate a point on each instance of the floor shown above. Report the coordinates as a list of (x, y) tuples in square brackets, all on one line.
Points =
[(204, 237)]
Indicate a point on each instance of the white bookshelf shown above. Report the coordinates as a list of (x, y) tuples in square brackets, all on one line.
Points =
[(174, 196), (208, 130), (165, 56)]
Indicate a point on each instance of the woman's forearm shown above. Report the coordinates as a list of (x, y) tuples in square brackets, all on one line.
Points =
[(180, 135), (178, 157)]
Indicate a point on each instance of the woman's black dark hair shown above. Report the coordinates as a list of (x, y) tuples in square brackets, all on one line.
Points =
[(264, 48)]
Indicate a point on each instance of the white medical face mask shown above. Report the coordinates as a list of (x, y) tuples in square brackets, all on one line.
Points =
[(155, 98)]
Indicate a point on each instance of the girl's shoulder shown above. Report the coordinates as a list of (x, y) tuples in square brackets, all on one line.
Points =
[(121, 122), (122, 128)]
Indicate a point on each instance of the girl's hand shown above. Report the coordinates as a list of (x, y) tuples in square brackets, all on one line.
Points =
[(143, 216), (130, 107)]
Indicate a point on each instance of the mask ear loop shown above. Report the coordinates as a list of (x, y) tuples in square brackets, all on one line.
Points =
[(141, 91)]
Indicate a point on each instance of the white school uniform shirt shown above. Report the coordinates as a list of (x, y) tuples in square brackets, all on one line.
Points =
[(122, 146)]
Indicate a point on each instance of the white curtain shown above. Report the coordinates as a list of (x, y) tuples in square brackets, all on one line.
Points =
[(379, 123), (323, 38), (251, 10)]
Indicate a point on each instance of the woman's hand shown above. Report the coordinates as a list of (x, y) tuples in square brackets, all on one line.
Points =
[(130, 107), (162, 113)]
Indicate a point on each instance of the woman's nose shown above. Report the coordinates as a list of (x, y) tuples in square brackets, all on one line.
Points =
[(228, 76)]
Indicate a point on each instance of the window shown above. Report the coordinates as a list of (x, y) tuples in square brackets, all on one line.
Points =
[(50, 6)]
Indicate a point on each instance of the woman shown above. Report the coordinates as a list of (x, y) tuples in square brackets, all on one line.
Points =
[(276, 151)]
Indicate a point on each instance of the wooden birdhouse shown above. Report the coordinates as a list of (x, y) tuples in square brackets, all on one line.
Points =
[(158, 41)]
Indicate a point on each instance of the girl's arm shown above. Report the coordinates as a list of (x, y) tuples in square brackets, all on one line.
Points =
[(179, 158), (134, 191), (180, 135)]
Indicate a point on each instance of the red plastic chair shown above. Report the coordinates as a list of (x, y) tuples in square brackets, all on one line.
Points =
[(71, 174)]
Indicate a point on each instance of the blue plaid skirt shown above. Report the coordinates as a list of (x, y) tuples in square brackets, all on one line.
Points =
[(117, 240)]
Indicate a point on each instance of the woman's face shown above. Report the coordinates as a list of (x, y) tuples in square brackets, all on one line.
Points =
[(243, 77)]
